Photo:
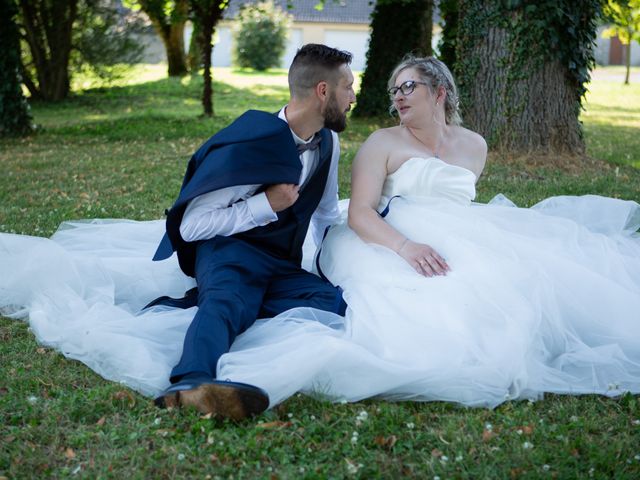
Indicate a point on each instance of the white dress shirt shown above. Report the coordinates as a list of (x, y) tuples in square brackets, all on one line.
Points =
[(238, 209)]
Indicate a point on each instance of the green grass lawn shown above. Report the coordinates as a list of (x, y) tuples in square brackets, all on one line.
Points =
[(120, 152)]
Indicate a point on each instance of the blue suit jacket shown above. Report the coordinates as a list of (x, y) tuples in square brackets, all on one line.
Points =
[(257, 148)]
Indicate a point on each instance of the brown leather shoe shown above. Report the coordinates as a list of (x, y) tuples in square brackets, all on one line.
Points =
[(222, 399)]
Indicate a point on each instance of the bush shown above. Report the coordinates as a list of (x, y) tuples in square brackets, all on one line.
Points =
[(260, 35)]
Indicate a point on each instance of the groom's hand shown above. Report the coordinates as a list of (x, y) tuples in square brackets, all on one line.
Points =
[(282, 195)]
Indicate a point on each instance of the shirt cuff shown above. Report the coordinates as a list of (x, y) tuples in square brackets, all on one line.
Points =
[(260, 209)]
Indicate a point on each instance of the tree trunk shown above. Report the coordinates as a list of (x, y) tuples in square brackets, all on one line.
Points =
[(628, 61), (194, 56), (207, 89), (170, 28), (15, 117), (206, 15), (398, 27), (518, 106), (48, 29), (174, 46)]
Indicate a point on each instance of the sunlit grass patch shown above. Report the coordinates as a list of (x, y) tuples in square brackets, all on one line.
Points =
[(120, 152)]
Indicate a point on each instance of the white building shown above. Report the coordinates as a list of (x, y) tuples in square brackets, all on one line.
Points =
[(344, 25)]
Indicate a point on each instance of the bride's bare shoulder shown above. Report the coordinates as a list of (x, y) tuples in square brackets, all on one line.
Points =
[(471, 144), (383, 138)]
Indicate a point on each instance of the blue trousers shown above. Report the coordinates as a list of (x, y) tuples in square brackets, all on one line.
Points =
[(237, 284)]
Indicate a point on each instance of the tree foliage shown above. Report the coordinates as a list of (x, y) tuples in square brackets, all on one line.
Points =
[(522, 69), (398, 27), (105, 39), (260, 35), (449, 24), (66, 35), (625, 17), (15, 116)]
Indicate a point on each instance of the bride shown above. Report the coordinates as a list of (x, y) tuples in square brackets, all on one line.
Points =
[(448, 299)]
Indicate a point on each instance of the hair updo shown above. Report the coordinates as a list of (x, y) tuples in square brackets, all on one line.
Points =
[(435, 74)]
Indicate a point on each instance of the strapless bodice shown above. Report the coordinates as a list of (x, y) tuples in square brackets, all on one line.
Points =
[(430, 177)]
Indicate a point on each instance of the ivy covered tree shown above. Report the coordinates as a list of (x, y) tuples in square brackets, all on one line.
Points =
[(15, 116), (398, 27), (522, 69), (625, 18)]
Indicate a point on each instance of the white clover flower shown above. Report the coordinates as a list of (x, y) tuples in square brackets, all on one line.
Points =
[(591, 470), (636, 422), (527, 445), (290, 415), (436, 477), (157, 421), (488, 426), (458, 458), (545, 467), (573, 418), (32, 399), (411, 425), (352, 468), (519, 431), (181, 456), (312, 417), (362, 416), (637, 457), (444, 459)]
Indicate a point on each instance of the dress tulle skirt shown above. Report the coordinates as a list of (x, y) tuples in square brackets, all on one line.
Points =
[(545, 299)]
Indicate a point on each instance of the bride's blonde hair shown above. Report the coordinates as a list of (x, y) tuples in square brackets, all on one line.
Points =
[(435, 73)]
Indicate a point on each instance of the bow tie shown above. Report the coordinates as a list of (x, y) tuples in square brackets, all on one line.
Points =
[(310, 145)]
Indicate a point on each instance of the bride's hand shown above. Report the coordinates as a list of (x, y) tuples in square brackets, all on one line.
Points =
[(424, 259)]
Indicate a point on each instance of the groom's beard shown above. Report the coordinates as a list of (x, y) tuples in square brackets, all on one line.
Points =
[(334, 118)]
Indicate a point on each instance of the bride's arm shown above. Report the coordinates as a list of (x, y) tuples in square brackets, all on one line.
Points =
[(369, 172)]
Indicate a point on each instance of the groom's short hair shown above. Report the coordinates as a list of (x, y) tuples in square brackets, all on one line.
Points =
[(315, 63)]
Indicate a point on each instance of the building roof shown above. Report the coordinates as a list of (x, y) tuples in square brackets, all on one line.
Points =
[(334, 11)]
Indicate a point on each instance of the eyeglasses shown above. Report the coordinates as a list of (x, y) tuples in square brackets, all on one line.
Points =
[(406, 88)]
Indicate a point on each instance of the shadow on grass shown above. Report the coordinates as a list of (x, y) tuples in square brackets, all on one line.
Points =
[(165, 109)]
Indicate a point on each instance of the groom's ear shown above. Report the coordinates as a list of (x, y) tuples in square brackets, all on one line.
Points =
[(322, 90)]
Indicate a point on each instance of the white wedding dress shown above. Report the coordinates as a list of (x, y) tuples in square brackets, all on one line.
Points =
[(545, 299)]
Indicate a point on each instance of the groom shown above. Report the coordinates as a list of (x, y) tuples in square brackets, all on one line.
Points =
[(238, 225)]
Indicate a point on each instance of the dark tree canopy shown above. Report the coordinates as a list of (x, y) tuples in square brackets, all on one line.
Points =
[(449, 24), (15, 116), (398, 27), (522, 69)]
